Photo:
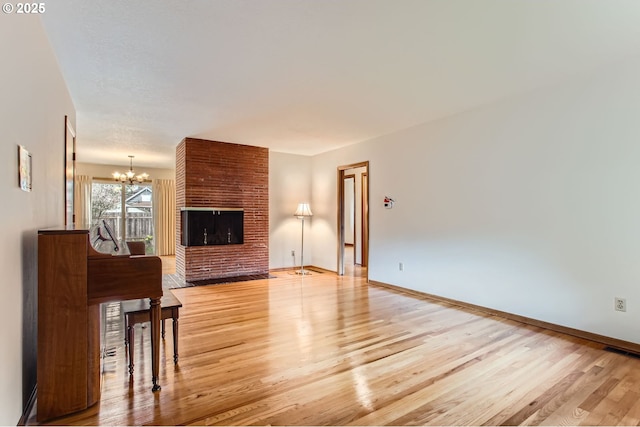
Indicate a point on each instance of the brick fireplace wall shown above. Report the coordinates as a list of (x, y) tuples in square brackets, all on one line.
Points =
[(224, 175)]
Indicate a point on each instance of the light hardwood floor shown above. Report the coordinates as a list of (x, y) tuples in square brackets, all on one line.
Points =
[(329, 350)]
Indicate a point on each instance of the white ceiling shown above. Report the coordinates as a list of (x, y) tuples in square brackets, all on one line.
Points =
[(307, 76)]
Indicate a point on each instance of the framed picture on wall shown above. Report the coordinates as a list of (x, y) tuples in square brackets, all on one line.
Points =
[(69, 170), (24, 169)]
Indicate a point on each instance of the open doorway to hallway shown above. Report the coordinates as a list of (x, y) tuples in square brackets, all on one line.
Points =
[(353, 219)]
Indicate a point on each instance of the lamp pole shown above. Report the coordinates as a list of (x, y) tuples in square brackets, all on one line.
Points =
[(302, 250), (302, 211)]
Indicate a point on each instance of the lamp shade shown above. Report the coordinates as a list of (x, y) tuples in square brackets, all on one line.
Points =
[(303, 210)]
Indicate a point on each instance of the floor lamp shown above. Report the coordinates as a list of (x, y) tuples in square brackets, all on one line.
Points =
[(303, 211)]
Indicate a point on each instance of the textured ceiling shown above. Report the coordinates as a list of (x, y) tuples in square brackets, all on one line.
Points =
[(307, 76)]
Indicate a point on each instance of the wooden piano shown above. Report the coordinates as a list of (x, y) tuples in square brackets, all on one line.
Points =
[(73, 279)]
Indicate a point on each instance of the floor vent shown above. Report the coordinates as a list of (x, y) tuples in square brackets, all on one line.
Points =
[(623, 352)]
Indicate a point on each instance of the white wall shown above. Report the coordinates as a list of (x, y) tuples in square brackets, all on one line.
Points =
[(530, 205), (33, 105), (324, 175), (289, 184)]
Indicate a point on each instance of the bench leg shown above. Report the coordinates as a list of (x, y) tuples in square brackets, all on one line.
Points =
[(126, 330), (130, 339), (154, 316), (175, 340)]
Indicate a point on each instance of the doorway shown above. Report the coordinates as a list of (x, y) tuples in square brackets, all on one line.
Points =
[(353, 219)]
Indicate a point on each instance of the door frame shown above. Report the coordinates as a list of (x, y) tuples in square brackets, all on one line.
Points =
[(364, 185), (340, 215)]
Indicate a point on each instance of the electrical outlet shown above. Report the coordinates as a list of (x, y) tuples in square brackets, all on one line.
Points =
[(620, 304), (293, 252), (401, 266)]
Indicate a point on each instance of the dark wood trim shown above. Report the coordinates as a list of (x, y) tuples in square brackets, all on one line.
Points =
[(607, 341), (340, 227), (29, 407)]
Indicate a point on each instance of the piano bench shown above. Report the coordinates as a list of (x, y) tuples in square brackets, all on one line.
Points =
[(137, 311)]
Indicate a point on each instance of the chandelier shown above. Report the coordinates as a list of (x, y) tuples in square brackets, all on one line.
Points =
[(130, 176)]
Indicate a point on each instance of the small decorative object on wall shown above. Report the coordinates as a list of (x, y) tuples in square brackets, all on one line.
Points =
[(24, 169), (388, 202)]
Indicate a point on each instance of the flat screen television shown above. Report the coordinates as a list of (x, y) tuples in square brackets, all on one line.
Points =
[(212, 226)]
